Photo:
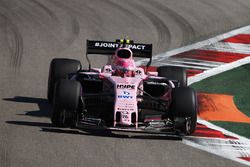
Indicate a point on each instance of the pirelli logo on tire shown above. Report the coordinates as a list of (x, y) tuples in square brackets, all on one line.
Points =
[(125, 86)]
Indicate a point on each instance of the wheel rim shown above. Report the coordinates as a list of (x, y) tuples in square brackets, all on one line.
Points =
[(188, 126), (62, 117)]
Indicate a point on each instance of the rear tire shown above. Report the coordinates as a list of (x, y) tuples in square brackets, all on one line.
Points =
[(184, 105), (173, 73), (66, 100), (60, 69)]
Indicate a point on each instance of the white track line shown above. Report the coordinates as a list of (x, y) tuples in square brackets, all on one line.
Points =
[(188, 61), (185, 65), (163, 56), (230, 153), (218, 70), (228, 47)]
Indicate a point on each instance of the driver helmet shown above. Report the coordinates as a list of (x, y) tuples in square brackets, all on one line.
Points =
[(123, 61)]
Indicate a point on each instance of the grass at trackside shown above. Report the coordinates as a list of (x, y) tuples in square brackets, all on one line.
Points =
[(234, 82)]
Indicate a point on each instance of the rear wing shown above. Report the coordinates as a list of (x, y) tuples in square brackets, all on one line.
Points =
[(109, 48)]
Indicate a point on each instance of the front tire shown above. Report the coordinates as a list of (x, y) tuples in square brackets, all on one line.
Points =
[(60, 69), (66, 100), (184, 106)]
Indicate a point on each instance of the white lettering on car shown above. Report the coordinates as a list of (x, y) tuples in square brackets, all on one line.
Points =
[(97, 44), (137, 47), (106, 45), (116, 45)]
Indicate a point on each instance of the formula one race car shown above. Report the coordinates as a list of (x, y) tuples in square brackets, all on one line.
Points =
[(121, 96)]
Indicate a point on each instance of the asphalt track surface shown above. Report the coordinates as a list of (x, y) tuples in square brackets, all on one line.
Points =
[(32, 32)]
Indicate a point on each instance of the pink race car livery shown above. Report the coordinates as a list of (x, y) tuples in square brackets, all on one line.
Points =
[(120, 95)]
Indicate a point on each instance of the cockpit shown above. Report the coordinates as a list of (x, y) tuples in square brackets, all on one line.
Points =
[(124, 53)]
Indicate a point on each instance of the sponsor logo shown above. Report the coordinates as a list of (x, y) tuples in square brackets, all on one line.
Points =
[(124, 116), (124, 110), (125, 86), (136, 47), (106, 45), (116, 45), (125, 95)]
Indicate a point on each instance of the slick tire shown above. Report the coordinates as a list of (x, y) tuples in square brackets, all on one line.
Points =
[(173, 73), (60, 69), (184, 105), (66, 101)]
